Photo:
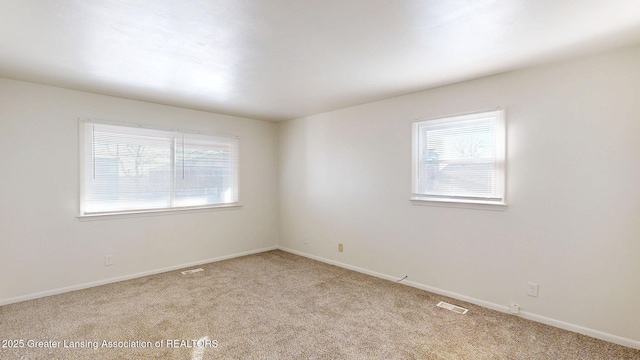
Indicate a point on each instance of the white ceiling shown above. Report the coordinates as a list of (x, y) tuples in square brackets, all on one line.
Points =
[(283, 59)]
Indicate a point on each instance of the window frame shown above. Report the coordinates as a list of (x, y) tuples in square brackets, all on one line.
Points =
[(82, 152), (500, 138)]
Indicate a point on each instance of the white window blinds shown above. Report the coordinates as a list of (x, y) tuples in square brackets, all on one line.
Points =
[(460, 157), (128, 169)]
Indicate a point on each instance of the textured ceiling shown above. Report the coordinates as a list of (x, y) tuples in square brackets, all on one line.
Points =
[(283, 59)]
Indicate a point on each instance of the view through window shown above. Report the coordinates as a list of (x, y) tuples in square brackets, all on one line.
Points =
[(128, 168), (460, 158)]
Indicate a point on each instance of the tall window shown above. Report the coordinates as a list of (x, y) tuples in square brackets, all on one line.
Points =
[(131, 169), (460, 158)]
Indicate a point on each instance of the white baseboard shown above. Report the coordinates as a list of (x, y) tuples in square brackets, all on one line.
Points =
[(502, 308), (634, 344), (127, 277)]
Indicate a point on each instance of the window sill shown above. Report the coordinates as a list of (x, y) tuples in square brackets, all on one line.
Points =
[(459, 203), (140, 213)]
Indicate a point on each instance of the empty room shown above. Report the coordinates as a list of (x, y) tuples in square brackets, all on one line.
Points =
[(354, 179)]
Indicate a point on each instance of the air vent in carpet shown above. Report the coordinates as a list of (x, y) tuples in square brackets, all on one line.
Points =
[(188, 272), (453, 308)]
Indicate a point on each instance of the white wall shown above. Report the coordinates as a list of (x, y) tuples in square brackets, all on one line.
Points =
[(573, 223), (44, 247)]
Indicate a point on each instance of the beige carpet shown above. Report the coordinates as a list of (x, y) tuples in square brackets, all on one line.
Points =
[(276, 305)]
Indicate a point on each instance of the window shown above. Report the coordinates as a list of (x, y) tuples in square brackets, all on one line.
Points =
[(133, 169), (460, 158)]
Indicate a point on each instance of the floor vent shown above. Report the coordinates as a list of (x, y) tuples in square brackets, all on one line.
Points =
[(192, 271), (453, 308)]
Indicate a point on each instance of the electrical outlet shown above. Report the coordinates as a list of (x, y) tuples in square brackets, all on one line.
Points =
[(340, 248), (515, 309), (108, 260), (532, 289)]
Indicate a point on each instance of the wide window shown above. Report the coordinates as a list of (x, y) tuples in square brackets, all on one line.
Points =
[(460, 158), (133, 169)]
